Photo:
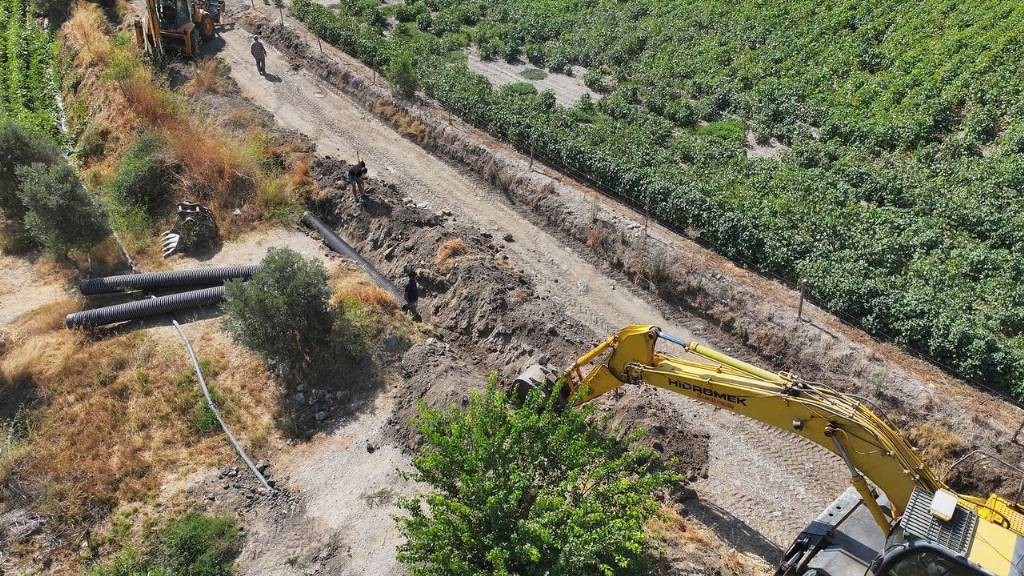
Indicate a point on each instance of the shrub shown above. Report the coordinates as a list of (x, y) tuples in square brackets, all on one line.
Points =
[(528, 490), (282, 312), (521, 89), (401, 72), (19, 147), (200, 545), (138, 186), (61, 214), (594, 80), (194, 545), (682, 112), (534, 74)]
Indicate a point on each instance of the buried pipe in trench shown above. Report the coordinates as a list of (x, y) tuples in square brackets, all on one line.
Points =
[(175, 279), (342, 247), (145, 308)]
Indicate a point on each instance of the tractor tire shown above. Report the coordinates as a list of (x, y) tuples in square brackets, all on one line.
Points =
[(194, 41), (207, 27)]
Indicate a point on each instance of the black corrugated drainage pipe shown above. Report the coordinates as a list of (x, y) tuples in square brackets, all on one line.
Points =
[(144, 308), (156, 280), (342, 247)]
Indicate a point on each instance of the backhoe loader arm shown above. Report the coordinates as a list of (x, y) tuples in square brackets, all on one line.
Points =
[(840, 423)]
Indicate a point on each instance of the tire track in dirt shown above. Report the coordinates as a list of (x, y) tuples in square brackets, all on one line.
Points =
[(761, 479)]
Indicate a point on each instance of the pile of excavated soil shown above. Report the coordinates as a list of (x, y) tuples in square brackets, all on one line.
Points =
[(434, 375), (666, 429), (484, 309)]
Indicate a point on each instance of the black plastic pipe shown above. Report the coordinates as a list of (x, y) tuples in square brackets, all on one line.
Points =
[(155, 280), (342, 247), (144, 308)]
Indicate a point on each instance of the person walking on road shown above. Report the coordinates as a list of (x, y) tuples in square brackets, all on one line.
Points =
[(412, 296), (355, 177), (259, 52)]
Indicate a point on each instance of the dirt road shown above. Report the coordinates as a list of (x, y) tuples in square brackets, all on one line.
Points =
[(770, 484)]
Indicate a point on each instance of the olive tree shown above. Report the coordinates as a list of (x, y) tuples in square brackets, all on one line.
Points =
[(283, 312), (60, 213), (527, 490)]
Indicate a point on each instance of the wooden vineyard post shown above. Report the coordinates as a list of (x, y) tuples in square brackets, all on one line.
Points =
[(800, 306)]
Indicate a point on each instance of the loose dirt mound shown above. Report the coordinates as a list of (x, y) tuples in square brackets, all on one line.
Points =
[(487, 309), (434, 375), (666, 429)]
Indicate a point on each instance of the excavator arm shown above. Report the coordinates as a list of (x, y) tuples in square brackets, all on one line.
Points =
[(925, 528), (840, 423)]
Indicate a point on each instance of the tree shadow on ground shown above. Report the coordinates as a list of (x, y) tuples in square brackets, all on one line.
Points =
[(341, 386)]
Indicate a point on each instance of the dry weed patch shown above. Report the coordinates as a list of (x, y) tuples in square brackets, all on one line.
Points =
[(112, 419)]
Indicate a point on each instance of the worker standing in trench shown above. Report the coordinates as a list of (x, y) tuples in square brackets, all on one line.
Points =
[(412, 296)]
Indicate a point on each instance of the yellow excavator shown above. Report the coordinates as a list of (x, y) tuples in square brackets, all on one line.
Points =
[(182, 24), (897, 519)]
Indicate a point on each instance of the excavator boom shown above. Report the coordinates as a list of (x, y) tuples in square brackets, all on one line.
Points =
[(979, 536)]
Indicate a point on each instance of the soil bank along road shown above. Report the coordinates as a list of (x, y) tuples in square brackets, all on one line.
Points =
[(758, 479)]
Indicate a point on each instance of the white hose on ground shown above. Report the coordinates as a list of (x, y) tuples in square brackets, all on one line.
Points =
[(213, 408), (202, 382)]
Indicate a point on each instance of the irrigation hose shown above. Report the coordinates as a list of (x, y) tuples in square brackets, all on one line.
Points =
[(213, 408), (202, 381)]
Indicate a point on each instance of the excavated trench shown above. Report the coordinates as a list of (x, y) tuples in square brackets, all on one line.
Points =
[(485, 313)]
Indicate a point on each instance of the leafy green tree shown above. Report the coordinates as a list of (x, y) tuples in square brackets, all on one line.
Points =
[(60, 213), (401, 72), (527, 490), (19, 147), (282, 313)]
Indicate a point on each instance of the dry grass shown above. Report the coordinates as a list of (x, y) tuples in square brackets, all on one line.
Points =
[(597, 236), (359, 287), (89, 32), (46, 318), (118, 417), (693, 543), (936, 444), (449, 249), (207, 76)]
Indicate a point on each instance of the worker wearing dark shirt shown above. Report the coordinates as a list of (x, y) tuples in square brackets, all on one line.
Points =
[(260, 54), (412, 296), (355, 177)]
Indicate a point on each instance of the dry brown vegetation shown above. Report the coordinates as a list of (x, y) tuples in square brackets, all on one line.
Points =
[(358, 287), (449, 249), (113, 418), (692, 543), (936, 444), (207, 76)]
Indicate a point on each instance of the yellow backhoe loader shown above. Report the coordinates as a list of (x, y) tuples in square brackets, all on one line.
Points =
[(898, 519), (178, 24)]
